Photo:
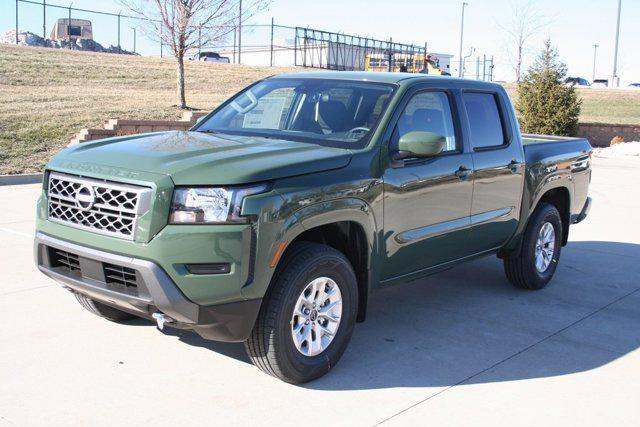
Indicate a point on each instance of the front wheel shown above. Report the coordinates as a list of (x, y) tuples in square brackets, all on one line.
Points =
[(534, 265), (307, 319)]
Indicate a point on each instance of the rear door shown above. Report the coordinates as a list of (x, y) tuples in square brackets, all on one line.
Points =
[(498, 161)]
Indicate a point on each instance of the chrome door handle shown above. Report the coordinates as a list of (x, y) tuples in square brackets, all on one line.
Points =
[(462, 173), (514, 166)]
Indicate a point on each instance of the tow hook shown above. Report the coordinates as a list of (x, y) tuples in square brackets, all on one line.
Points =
[(161, 319)]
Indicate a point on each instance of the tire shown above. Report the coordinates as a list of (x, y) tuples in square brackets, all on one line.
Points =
[(271, 345), (521, 268), (104, 310)]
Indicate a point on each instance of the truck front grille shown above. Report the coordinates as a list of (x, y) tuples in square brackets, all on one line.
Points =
[(99, 206)]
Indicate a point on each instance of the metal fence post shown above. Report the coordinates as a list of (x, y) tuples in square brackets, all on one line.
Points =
[(17, 22), (235, 29), (484, 67), (119, 49), (240, 32), (271, 61), (69, 25)]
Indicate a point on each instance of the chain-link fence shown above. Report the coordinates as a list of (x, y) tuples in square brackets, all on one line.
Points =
[(270, 44)]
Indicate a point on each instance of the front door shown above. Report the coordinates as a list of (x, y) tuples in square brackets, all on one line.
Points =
[(427, 201)]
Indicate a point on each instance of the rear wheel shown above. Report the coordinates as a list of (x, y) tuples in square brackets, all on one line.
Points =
[(104, 310), (307, 319), (534, 265)]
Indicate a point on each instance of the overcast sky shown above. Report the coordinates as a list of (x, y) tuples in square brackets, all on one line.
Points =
[(574, 27)]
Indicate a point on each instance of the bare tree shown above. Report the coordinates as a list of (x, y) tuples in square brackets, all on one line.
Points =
[(186, 24), (526, 21)]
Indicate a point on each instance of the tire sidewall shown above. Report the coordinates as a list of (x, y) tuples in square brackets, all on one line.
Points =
[(337, 268)]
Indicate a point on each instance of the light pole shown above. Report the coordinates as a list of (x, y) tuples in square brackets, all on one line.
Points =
[(134, 39), (461, 36), (614, 77), (595, 51)]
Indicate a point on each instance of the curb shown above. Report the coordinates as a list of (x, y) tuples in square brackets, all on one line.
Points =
[(27, 178)]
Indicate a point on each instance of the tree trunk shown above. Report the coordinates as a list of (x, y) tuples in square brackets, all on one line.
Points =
[(182, 103), (519, 64)]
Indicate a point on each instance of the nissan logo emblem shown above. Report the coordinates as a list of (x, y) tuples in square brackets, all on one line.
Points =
[(85, 197)]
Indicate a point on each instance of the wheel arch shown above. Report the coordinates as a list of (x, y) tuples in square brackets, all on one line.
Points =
[(347, 225)]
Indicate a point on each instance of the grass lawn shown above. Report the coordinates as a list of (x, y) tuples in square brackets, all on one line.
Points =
[(48, 95)]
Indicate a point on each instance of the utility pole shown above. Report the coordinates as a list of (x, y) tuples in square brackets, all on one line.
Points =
[(595, 51), (614, 77), (44, 19), (461, 37), (240, 32), (134, 39)]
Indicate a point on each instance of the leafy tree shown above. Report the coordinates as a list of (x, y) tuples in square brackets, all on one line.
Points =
[(545, 104)]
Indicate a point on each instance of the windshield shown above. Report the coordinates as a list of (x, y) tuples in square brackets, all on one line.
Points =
[(330, 112)]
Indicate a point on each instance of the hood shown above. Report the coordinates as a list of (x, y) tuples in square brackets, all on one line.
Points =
[(196, 158)]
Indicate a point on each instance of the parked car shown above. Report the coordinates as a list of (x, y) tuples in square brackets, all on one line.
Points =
[(273, 219), (576, 81), (634, 85), (210, 57), (600, 83)]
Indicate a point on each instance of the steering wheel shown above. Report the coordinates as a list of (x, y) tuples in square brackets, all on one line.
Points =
[(358, 130)]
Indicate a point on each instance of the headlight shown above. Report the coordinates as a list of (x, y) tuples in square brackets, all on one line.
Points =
[(209, 205)]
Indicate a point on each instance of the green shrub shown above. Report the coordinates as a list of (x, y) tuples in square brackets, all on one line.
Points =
[(545, 104)]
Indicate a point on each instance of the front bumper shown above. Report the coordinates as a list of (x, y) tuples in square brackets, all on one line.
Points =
[(153, 292)]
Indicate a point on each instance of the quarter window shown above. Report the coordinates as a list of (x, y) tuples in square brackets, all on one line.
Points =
[(484, 120), (428, 112)]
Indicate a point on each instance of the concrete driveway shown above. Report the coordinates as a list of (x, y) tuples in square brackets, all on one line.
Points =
[(462, 347)]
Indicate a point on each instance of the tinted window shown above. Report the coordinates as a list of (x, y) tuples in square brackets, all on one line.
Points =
[(428, 112), (484, 119)]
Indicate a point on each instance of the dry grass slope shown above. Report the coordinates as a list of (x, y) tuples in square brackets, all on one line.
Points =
[(48, 95)]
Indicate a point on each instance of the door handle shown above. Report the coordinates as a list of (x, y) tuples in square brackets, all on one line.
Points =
[(462, 173), (514, 166)]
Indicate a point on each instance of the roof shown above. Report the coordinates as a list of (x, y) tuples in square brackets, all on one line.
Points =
[(370, 76)]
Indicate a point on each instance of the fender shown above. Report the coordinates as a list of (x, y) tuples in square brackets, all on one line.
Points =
[(539, 181)]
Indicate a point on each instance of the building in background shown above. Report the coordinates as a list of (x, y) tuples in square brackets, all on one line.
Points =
[(72, 29)]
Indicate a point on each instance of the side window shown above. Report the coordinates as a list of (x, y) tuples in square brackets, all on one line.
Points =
[(485, 120), (428, 112)]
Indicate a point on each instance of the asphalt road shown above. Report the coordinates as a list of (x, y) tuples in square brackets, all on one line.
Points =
[(461, 347)]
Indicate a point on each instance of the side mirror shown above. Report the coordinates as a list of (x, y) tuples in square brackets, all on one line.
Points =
[(419, 144)]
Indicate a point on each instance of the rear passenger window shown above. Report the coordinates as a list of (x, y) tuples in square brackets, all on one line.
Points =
[(428, 112), (484, 120)]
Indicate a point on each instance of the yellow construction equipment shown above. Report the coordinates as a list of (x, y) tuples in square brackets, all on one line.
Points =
[(424, 64)]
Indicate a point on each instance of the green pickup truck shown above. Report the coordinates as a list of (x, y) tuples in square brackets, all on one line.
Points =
[(273, 219)]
